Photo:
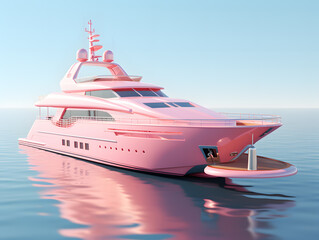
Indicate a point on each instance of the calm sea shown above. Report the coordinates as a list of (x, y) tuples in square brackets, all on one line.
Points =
[(49, 196)]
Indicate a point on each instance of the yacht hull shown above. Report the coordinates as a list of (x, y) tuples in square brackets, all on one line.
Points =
[(173, 150)]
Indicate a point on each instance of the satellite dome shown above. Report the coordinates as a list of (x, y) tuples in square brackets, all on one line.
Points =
[(108, 56), (82, 55)]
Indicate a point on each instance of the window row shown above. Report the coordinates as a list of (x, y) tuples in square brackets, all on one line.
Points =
[(144, 92), (76, 144)]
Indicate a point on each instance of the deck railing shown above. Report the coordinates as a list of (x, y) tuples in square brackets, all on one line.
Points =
[(229, 119)]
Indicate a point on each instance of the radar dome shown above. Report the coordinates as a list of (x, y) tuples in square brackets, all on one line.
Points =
[(82, 55), (108, 56)]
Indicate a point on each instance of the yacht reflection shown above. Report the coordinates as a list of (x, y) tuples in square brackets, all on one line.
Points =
[(109, 202)]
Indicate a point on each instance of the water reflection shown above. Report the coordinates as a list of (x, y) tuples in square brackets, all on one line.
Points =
[(109, 202)]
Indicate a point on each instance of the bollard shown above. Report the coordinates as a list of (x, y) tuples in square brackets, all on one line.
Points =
[(252, 159)]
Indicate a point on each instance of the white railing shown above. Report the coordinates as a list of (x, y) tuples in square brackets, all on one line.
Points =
[(229, 119)]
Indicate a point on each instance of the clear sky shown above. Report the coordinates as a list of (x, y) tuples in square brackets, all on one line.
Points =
[(217, 53)]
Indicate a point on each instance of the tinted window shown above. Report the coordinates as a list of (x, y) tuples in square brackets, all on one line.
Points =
[(102, 115), (128, 93), (160, 93), (147, 93), (75, 113), (101, 94), (172, 104), (183, 104), (157, 105)]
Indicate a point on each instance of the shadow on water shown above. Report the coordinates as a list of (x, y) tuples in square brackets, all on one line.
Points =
[(108, 202)]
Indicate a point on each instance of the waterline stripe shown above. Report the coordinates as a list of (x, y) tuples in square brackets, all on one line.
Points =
[(68, 135)]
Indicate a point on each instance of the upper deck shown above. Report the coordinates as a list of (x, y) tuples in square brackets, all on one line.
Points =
[(85, 76)]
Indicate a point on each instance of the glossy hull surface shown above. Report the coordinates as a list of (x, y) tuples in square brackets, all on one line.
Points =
[(173, 150)]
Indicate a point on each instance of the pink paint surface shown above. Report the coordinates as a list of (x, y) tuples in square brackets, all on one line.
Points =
[(162, 140)]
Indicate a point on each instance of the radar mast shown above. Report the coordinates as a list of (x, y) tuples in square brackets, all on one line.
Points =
[(93, 39)]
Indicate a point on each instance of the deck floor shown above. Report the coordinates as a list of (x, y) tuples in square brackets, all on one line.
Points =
[(263, 163)]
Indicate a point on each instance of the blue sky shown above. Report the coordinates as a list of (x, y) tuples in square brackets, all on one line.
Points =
[(226, 53)]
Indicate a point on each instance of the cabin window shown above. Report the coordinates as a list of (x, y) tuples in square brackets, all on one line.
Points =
[(127, 93), (104, 115), (68, 143), (160, 93), (87, 146), (171, 104), (101, 115), (183, 104), (94, 114), (81, 145), (63, 142), (76, 144), (147, 93), (75, 113), (157, 105), (101, 93)]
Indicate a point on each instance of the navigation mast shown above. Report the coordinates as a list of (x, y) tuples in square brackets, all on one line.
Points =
[(93, 39)]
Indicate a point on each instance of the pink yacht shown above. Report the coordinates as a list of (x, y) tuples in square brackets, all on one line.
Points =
[(105, 115)]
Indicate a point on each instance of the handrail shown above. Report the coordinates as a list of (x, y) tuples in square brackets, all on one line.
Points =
[(231, 119)]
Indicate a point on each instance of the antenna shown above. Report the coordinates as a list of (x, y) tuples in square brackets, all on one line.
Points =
[(93, 48)]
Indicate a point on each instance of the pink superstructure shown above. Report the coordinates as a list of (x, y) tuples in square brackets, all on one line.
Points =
[(107, 116)]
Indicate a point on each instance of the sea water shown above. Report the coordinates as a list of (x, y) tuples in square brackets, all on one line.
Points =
[(45, 195)]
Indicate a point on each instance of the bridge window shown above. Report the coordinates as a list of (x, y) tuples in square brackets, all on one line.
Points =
[(147, 93), (101, 94), (157, 105), (127, 93), (160, 93), (183, 104)]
